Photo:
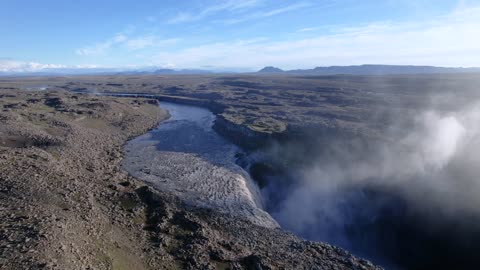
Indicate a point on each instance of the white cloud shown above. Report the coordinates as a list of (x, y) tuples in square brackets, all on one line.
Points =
[(451, 40), (268, 13), (140, 43), (88, 66), (102, 47), (130, 43), (307, 29), (228, 5), (21, 66), (15, 66), (184, 17), (283, 9), (151, 19), (149, 41)]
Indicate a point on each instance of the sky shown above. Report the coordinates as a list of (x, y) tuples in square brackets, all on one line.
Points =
[(237, 35)]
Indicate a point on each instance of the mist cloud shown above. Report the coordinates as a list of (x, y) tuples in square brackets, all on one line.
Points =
[(427, 173)]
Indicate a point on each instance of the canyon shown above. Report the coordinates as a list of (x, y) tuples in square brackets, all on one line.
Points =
[(361, 162)]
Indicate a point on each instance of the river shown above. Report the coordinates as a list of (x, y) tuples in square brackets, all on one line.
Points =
[(185, 156)]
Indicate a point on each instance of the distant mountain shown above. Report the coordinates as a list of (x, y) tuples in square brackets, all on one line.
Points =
[(270, 69), (63, 72), (371, 70), (164, 71), (181, 71), (332, 70), (104, 71)]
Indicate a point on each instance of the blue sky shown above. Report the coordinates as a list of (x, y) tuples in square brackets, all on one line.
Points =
[(237, 34)]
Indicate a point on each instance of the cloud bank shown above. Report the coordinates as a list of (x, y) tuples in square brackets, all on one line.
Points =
[(451, 40), (21, 66)]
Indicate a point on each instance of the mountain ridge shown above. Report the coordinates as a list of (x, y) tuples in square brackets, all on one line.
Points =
[(370, 69), (367, 69)]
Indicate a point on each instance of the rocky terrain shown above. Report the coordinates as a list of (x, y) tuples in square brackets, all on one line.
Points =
[(66, 203), (292, 127), (277, 106)]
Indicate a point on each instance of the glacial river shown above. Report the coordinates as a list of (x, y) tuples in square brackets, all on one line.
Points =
[(185, 156)]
